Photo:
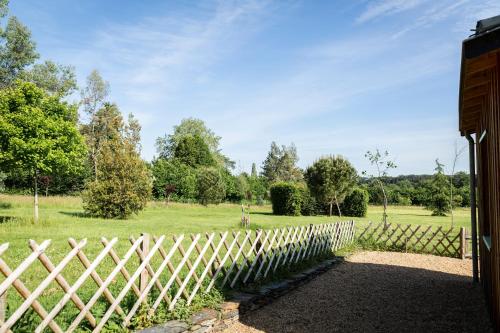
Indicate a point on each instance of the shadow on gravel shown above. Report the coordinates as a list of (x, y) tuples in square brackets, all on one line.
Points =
[(364, 297)]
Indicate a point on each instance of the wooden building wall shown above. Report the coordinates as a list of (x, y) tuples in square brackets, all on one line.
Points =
[(488, 167)]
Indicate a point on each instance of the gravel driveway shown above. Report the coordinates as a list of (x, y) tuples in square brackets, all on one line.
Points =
[(379, 292)]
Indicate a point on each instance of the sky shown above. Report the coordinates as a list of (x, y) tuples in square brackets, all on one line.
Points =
[(333, 77)]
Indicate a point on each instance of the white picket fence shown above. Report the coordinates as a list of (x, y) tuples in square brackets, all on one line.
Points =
[(151, 272)]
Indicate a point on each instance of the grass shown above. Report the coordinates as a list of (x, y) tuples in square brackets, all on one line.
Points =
[(63, 217)]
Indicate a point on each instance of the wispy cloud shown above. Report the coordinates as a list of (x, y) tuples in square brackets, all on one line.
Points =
[(378, 9)]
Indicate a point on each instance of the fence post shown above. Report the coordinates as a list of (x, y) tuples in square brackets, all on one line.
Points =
[(3, 307), (463, 243), (145, 251)]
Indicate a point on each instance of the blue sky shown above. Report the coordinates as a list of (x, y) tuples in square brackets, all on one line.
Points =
[(333, 77)]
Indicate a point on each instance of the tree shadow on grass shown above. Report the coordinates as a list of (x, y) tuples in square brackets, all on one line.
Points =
[(5, 205), (261, 213), (76, 214), (5, 219)]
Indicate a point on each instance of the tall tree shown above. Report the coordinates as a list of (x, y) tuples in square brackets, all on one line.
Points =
[(54, 78), (123, 183), (330, 179), (93, 98), (38, 133), (254, 170), (17, 49), (382, 164), (280, 164)]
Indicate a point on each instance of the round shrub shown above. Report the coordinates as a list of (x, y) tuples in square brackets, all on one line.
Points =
[(355, 204), (286, 199)]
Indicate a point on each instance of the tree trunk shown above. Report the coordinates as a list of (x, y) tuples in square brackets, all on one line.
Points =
[(384, 216), (35, 212), (338, 206), (331, 208)]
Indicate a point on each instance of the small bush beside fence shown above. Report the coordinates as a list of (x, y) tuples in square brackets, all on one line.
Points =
[(105, 290)]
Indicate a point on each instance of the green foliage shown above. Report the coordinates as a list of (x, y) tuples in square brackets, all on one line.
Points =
[(17, 49), (193, 151), (38, 132), (309, 206), (54, 78), (211, 187), (286, 199), (173, 172), (123, 184), (189, 127), (356, 203), (330, 179), (280, 164), (439, 195)]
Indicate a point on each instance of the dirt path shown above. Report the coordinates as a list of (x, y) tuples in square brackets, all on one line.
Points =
[(379, 292)]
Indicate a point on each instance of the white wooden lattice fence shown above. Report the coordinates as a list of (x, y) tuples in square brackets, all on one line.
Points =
[(152, 271)]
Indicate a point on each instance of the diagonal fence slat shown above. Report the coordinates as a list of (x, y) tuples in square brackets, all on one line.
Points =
[(110, 287), (417, 238)]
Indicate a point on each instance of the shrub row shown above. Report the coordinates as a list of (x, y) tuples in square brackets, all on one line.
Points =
[(294, 199)]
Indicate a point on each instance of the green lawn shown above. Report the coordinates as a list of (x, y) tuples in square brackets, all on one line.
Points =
[(62, 217)]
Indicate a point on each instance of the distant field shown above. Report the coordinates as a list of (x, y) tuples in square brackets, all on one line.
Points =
[(62, 217)]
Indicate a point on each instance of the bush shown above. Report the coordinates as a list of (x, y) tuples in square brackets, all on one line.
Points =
[(211, 187), (355, 204), (122, 187), (286, 199), (309, 206)]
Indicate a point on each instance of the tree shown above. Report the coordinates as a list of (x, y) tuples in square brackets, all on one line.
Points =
[(93, 97), (280, 164), (330, 179), (189, 127), (382, 165), (193, 151), (123, 183), (38, 133), (211, 187), (54, 78), (438, 200), (173, 172), (254, 170), (17, 49)]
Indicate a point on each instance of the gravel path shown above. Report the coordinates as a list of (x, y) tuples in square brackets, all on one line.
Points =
[(379, 292)]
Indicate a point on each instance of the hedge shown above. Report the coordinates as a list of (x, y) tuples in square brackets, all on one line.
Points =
[(286, 199)]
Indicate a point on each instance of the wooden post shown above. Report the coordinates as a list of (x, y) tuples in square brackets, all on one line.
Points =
[(3, 307), (463, 243), (145, 251)]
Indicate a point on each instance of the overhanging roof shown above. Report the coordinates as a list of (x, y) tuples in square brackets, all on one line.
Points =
[(480, 56)]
